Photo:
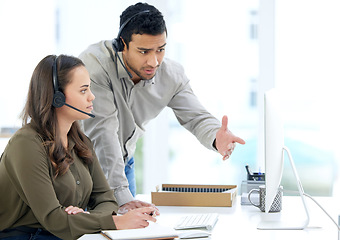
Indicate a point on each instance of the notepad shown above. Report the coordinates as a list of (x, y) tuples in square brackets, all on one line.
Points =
[(153, 231)]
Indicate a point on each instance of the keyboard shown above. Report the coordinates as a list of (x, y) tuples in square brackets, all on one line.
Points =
[(205, 220)]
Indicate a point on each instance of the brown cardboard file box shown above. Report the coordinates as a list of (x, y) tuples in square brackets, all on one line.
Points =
[(195, 195)]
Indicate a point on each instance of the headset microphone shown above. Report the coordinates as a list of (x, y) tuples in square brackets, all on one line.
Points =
[(117, 43), (120, 60), (89, 114), (59, 97)]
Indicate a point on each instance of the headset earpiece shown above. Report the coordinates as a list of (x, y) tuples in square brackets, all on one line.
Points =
[(118, 44), (58, 97)]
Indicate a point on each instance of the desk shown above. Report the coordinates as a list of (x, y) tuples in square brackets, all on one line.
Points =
[(240, 221)]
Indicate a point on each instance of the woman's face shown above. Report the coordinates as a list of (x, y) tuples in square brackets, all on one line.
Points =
[(78, 95)]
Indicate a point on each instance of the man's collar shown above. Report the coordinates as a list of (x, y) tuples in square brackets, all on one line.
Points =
[(145, 83)]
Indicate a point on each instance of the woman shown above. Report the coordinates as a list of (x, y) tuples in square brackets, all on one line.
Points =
[(49, 172)]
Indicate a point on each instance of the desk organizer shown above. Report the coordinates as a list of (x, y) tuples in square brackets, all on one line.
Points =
[(256, 177), (195, 195)]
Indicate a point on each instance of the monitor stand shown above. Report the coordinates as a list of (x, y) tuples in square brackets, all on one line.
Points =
[(288, 225)]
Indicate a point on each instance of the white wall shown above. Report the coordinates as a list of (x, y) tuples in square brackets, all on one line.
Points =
[(27, 35)]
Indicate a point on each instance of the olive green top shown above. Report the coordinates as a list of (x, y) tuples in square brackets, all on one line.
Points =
[(31, 196)]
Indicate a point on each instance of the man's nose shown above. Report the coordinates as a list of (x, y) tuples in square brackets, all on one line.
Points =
[(152, 60)]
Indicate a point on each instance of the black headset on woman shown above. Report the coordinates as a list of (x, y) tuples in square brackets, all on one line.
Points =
[(59, 98)]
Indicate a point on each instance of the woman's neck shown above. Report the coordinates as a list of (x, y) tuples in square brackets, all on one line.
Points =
[(64, 128)]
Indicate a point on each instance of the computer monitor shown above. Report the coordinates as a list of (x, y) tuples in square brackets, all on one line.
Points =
[(274, 143), (274, 161)]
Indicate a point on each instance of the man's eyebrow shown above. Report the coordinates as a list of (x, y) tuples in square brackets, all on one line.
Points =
[(162, 45), (148, 49)]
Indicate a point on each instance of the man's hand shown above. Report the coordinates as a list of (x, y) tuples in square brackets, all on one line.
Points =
[(136, 204), (225, 140), (135, 218)]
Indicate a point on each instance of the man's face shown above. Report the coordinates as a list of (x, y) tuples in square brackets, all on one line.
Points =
[(144, 56)]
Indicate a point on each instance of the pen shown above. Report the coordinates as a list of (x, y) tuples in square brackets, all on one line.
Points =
[(248, 170), (260, 178), (152, 213), (105, 235)]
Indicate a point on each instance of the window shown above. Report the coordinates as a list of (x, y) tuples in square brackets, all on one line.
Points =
[(220, 46)]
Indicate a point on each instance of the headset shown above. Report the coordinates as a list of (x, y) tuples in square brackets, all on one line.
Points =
[(59, 98), (117, 43)]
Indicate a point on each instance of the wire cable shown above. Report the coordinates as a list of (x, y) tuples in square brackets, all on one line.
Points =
[(310, 197)]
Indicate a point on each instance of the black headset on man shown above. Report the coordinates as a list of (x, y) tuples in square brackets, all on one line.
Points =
[(117, 43), (58, 96)]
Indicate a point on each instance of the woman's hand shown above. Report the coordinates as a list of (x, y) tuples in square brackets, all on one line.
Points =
[(75, 210), (136, 218)]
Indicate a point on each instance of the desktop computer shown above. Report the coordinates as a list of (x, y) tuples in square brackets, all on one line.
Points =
[(274, 161)]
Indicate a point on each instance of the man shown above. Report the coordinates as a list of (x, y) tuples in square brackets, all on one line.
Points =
[(133, 83)]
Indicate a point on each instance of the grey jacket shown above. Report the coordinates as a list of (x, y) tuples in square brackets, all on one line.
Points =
[(123, 109)]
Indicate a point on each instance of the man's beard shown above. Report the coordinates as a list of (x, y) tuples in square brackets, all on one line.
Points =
[(138, 73)]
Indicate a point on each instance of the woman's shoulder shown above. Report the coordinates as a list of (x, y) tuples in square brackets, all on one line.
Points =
[(26, 132), (25, 147), (26, 137)]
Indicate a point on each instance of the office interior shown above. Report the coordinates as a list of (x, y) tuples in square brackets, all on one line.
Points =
[(232, 51)]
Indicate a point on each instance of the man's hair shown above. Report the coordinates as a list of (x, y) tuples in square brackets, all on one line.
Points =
[(151, 22)]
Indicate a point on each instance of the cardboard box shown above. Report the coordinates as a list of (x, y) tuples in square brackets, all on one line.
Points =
[(195, 195)]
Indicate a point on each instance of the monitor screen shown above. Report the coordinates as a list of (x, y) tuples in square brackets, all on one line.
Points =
[(274, 143), (274, 159)]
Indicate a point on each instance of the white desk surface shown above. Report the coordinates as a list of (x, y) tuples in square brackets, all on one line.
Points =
[(240, 221)]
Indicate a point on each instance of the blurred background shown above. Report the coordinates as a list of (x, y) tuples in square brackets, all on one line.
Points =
[(232, 51)]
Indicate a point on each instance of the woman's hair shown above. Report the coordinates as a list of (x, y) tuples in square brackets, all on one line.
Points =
[(40, 112), (151, 22)]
